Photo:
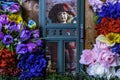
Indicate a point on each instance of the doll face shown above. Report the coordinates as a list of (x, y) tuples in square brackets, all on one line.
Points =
[(62, 17)]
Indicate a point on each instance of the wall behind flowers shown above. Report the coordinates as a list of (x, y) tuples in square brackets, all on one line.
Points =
[(90, 32)]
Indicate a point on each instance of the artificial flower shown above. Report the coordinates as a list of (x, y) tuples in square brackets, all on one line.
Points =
[(7, 67), (39, 43), (12, 8), (1, 26), (32, 65), (25, 35), (11, 26), (118, 73), (97, 70), (105, 40), (4, 19), (32, 47), (108, 25), (35, 33), (15, 18), (112, 1), (116, 48), (107, 58), (96, 4), (110, 10), (31, 24), (113, 37), (21, 49), (8, 39), (87, 57), (1, 35)]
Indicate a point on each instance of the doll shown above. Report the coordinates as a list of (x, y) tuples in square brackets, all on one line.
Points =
[(63, 13), (30, 10), (60, 9)]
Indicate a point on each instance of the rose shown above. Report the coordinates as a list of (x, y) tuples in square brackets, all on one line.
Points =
[(25, 35), (21, 49), (107, 58), (87, 57), (7, 39)]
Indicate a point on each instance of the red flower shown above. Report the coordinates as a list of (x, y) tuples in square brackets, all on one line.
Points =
[(8, 63), (108, 25)]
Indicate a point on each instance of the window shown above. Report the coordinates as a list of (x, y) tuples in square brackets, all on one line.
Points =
[(62, 24)]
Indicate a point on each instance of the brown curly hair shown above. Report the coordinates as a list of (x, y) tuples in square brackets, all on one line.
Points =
[(61, 7)]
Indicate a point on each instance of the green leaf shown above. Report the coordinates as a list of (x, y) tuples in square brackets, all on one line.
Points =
[(95, 19)]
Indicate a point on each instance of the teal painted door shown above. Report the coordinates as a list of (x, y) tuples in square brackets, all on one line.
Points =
[(63, 34)]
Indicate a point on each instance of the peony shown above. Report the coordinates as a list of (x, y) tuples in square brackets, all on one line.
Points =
[(107, 58), (87, 57)]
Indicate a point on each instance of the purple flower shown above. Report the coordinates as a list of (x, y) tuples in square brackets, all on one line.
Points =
[(18, 27), (13, 8), (0, 26), (32, 47), (21, 49), (36, 33), (1, 35), (4, 19), (7, 39), (39, 43), (25, 35), (11, 26)]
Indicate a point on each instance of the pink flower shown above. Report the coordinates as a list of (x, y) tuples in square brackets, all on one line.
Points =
[(107, 58), (100, 46), (87, 57)]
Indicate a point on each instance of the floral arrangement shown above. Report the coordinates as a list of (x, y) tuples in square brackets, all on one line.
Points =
[(103, 60), (21, 46)]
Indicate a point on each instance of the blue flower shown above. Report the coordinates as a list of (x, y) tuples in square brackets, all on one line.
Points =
[(32, 65), (110, 10), (116, 48)]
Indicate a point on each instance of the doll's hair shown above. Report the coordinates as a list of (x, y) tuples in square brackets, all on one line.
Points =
[(61, 7), (30, 10)]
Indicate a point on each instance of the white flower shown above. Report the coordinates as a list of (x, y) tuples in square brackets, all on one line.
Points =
[(97, 70), (118, 73), (118, 60)]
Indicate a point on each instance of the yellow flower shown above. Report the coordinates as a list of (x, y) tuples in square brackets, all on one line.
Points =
[(105, 40), (113, 37), (15, 18)]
